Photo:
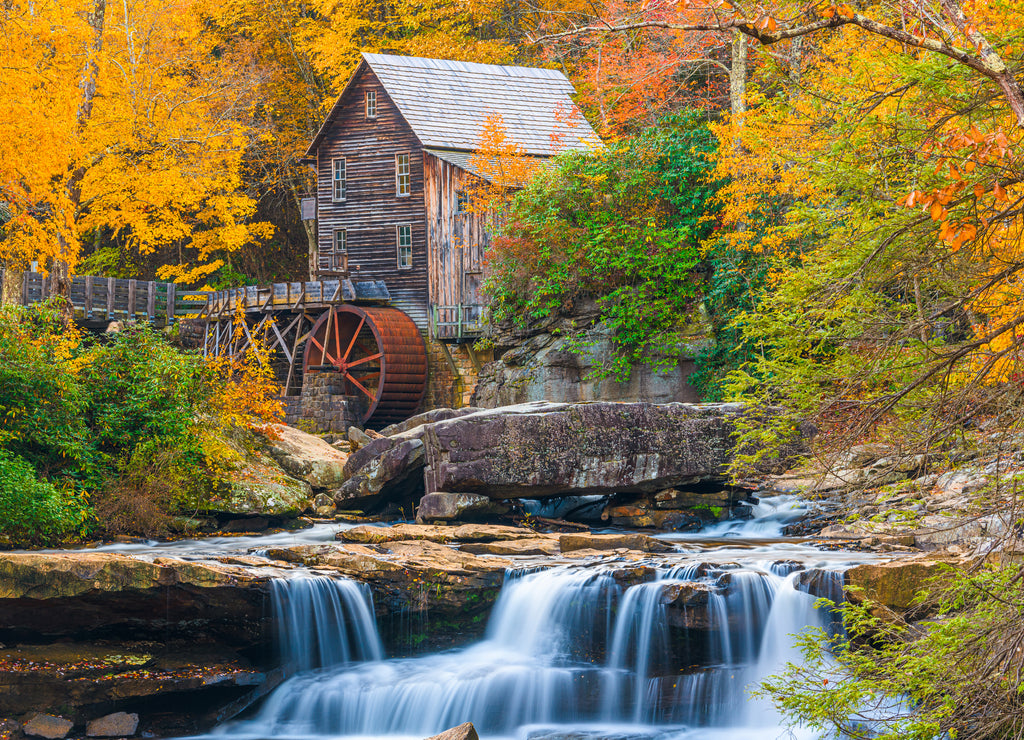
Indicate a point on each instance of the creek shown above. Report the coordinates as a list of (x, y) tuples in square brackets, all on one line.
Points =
[(570, 652)]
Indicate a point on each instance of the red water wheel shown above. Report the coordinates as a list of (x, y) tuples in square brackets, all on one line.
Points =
[(380, 354)]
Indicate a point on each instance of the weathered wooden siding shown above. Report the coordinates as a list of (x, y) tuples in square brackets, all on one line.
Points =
[(372, 210), (456, 242)]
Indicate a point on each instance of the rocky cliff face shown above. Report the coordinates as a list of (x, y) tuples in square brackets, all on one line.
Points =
[(546, 367)]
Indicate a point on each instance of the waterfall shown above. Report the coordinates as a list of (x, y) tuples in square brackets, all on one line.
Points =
[(324, 622), (566, 650)]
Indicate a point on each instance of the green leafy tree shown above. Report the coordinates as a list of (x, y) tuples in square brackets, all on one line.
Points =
[(620, 227)]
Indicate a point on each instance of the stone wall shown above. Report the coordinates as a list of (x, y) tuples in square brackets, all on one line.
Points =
[(452, 376), (322, 407)]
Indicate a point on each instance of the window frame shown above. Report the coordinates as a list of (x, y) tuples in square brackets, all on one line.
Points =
[(399, 175), (342, 264), (399, 246), (461, 201), (370, 112), (335, 180)]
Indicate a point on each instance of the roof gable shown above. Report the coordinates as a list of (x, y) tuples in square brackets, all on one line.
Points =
[(446, 103)]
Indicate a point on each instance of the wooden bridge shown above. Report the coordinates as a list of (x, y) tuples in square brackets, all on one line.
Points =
[(97, 301)]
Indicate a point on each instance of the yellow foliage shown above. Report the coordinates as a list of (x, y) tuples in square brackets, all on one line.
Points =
[(249, 395), (155, 156)]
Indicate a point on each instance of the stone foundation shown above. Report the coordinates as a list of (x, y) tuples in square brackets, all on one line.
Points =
[(322, 407)]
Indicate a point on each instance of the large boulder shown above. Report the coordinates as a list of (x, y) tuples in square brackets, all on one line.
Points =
[(306, 456), (388, 470), (545, 449)]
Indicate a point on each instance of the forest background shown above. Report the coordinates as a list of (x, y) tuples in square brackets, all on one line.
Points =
[(833, 192)]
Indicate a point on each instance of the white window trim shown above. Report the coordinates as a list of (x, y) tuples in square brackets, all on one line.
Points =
[(398, 246), (334, 180), (408, 174), (366, 104)]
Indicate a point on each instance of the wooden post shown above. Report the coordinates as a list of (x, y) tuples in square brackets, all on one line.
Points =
[(88, 297), (111, 287), (131, 298), (151, 302), (171, 304)]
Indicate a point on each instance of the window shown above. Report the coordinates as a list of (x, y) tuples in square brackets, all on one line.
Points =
[(404, 247), (339, 259), (461, 201), (340, 181), (371, 103), (401, 174)]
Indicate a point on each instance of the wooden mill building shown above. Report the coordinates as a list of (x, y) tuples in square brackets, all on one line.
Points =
[(394, 164)]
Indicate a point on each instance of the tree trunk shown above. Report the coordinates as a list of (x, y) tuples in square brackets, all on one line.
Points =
[(738, 78)]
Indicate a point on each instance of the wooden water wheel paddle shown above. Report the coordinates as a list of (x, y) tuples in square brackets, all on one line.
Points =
[(379, 352)]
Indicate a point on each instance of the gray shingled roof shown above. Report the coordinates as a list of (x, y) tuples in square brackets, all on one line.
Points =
[(465, 160), (446, 103)]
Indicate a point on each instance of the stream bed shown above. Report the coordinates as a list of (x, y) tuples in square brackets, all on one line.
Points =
[(570, 651)]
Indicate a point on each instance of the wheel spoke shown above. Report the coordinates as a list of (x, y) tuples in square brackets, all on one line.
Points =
[(371, 358), (355, 336), (337, 335), (324, 355), (360, 386)]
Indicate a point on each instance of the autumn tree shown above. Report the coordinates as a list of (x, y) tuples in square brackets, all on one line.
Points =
[(140, 142), (883, 201)]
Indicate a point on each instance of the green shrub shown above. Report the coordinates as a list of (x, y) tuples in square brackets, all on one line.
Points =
[(33, 511), (41, 400)]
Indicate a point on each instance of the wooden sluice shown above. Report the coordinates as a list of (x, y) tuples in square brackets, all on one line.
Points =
[(334, 326)]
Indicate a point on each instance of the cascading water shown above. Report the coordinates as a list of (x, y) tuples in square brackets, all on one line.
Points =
[(568, 651), (324, 622)]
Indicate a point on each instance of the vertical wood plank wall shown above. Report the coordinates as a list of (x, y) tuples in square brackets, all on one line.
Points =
[(372, 209), (456, 242)]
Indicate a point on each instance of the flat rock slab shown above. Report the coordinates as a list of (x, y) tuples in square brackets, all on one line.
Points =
[(602, 542), (435, 533), (538, 546), (78, 593), (544, 449)]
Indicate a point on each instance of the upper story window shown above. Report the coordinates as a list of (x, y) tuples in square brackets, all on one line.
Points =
[(371, 103), (404, 247), (402, 179), (461, 201), (339, 179)]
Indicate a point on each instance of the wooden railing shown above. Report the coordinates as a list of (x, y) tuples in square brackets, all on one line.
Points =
[(459, 322), (295, 296), (102, 300)]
